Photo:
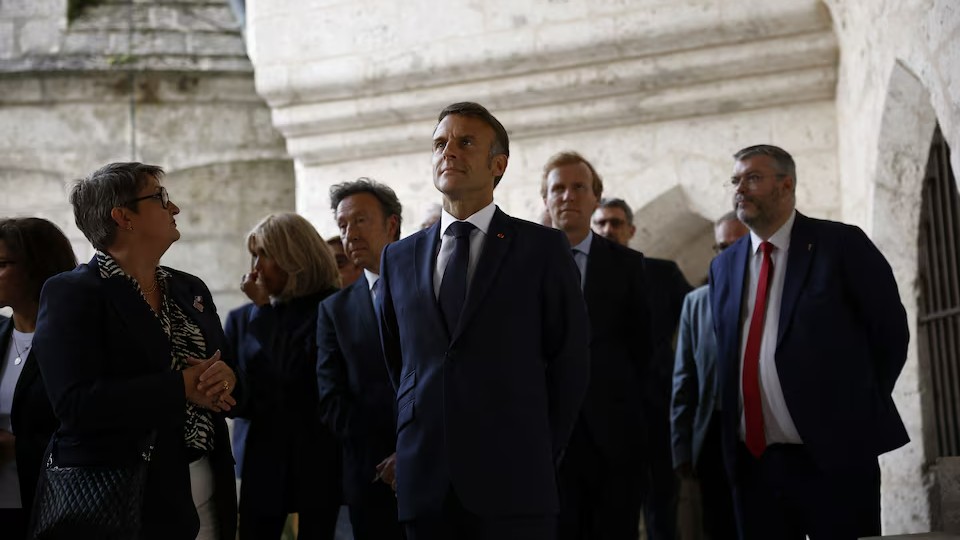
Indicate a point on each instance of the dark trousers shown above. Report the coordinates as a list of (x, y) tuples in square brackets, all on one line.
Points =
[(454, 522), (661, 489), (374, 517), (13, 523), (598, 501), (313, 525), (716, 498), (784, 495)]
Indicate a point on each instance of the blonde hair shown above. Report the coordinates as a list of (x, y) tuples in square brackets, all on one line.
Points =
[(296, 246)]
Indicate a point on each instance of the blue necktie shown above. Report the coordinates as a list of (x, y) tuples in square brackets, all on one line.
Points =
[(453, 287)]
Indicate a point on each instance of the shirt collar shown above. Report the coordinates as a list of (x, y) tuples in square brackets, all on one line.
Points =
[(371, 278), (779, 239), (109, 268), (584, 246), (481, 219)]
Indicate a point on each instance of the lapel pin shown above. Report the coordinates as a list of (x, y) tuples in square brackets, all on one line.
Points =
[(198, 303), (500, 235)]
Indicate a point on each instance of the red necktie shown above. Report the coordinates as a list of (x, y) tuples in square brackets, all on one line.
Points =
[(752, 406)]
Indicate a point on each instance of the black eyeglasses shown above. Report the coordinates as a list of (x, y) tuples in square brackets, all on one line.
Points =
[(161, 195)]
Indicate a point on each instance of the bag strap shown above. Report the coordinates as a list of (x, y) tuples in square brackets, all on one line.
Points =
[(146, 452)]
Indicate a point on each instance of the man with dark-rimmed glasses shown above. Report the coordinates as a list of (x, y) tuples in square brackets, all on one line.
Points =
[(811, 337)]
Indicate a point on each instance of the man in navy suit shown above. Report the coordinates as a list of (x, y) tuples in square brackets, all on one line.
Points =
[(811, 339), (356, 397), (602, 474), (485, 335)]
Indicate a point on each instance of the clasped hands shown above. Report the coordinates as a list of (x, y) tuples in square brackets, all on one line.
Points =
[(209, 383)]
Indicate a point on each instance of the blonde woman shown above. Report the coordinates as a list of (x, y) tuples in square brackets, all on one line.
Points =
[(290, 461)]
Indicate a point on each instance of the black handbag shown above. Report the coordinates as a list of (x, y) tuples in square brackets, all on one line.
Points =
[(93, 501)]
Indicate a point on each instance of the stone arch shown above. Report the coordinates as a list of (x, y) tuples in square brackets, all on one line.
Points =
[(667, 228), (906, 130)]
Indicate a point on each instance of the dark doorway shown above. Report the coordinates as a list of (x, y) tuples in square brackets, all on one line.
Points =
[(939, 322)]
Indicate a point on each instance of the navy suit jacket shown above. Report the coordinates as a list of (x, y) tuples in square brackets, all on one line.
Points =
[(291, 461), (31, 418), (487, 408), (105, 361), (841, 344), (621, 346), (357, 400)]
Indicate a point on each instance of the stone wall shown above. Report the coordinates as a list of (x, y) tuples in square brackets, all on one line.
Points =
[(657, 94), (161, 82), (899, 75)]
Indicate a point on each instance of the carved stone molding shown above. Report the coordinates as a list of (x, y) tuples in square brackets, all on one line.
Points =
[(370, 104)]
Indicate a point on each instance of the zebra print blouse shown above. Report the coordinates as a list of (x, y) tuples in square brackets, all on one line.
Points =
[(186, 340)]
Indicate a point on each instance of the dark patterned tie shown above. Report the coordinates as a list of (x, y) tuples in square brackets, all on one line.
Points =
[(453, 286)]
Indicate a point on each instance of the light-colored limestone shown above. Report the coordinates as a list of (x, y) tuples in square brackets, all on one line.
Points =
[(658, 95)]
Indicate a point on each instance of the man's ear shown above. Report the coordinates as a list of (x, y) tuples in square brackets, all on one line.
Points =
[(633, 230), (499, 164), (393, 228), (790, 184)]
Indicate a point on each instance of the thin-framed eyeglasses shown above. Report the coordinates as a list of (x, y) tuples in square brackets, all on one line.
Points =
[(752, 179), (161, 195)]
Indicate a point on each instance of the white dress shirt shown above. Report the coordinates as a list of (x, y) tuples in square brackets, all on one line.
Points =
[(778, 425), (480, 220), (371, 282)]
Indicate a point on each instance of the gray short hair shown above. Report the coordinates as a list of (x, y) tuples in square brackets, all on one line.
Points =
[(729, 216), (109, 187), (389, 203), (781, 158), (621, 204)]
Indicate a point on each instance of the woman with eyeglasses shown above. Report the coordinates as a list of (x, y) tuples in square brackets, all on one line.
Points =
[(31, 251), (291, 462), (130, 352)]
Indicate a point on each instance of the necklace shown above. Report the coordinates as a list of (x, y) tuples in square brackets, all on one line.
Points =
[(145, 292), (20, 354)]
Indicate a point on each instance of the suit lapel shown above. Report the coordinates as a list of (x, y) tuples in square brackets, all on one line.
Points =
[(426, 249), (798, 263), (363, 319), (597, 263), (495, 246), (742, 252), (136, 315), (193, 306)]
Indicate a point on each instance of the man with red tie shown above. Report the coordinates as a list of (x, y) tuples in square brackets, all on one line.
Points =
[(811, 339)]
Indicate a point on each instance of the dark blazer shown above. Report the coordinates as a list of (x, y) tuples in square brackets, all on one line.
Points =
[(357, 401), (106, 363), (291, 461), (31, 418), (621, 345), (488, 407), (666, 289), (841, 344)]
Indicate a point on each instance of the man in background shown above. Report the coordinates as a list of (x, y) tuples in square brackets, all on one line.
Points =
[(666, 288), (695, 416), (350, 271), (602, 473), (356, 397)]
